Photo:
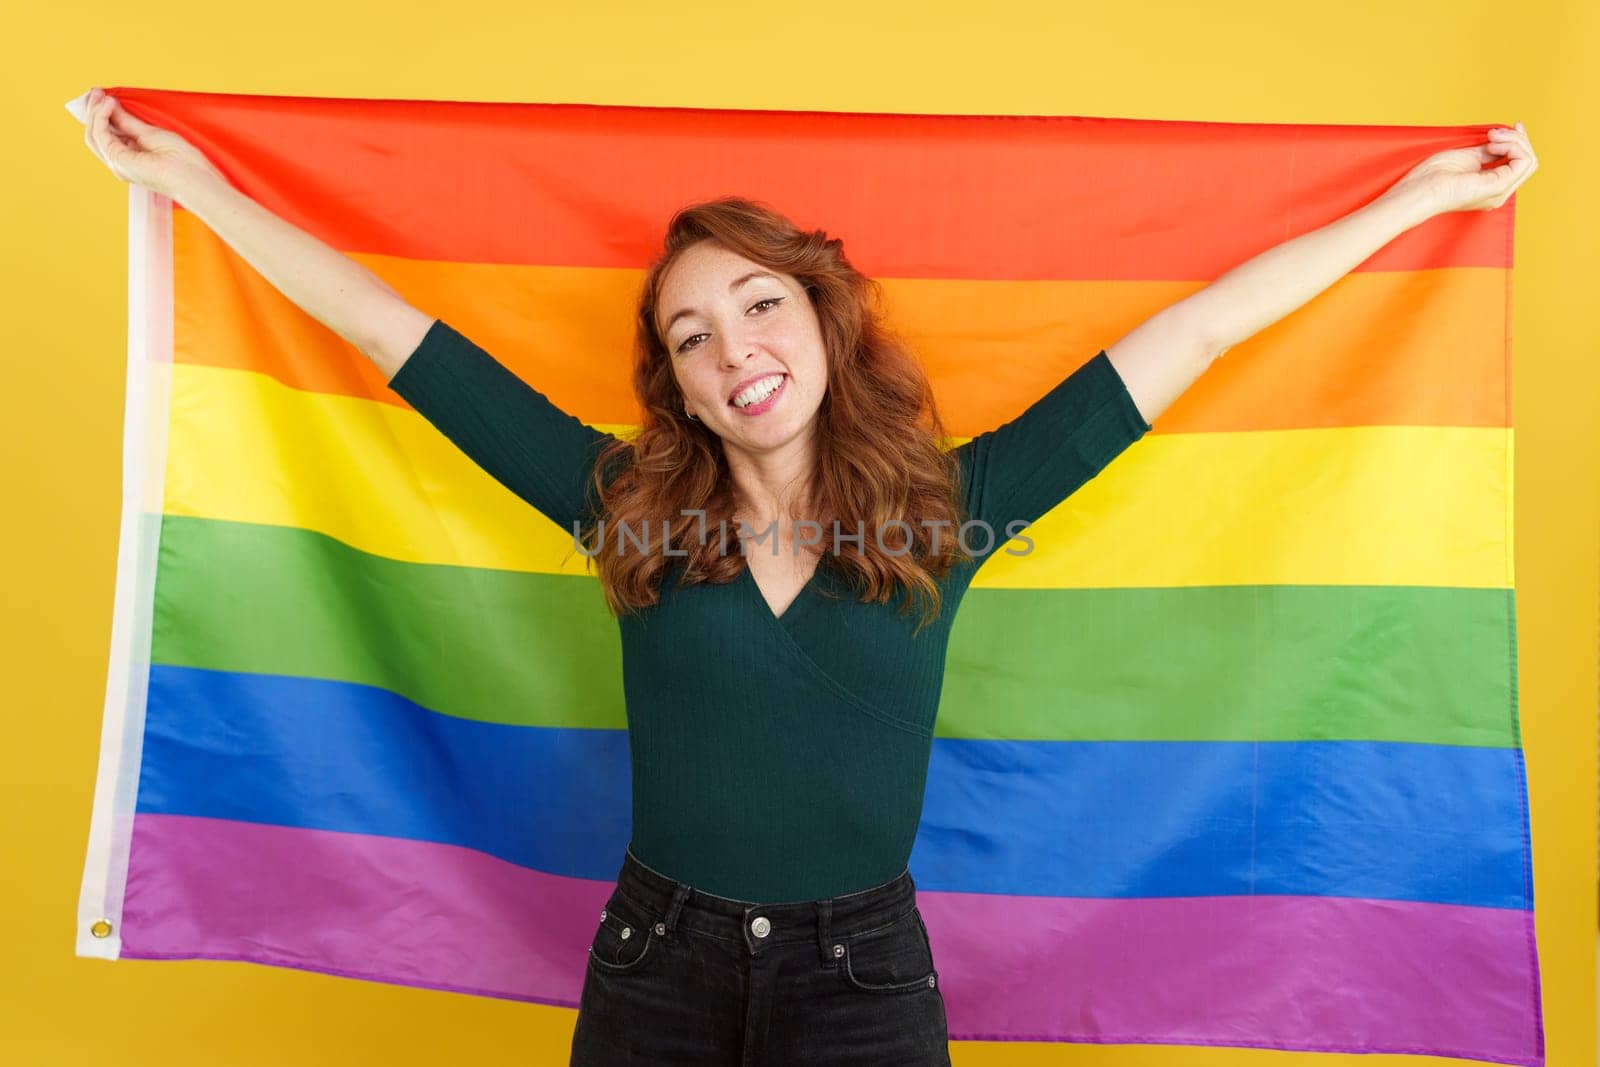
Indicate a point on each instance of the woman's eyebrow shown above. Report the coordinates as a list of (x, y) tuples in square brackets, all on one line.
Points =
[(731, 287)]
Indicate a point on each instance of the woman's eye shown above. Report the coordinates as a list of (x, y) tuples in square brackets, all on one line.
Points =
[(686, 346)]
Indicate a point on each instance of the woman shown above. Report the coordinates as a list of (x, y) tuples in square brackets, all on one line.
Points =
[(788, 483)]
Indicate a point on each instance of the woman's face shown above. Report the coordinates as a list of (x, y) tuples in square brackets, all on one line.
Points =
[(726, 332)]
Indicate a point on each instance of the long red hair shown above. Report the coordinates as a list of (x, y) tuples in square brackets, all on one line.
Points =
[(881, 453)]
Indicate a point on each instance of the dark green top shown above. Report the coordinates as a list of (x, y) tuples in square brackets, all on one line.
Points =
[(775, 758)]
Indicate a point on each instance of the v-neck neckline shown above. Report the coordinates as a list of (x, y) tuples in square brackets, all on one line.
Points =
[(791, 612)]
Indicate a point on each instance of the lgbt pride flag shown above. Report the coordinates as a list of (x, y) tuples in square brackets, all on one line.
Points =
[(1231, 758)]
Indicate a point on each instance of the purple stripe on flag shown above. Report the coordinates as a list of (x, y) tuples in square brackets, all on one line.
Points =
[(383, 908), (1335, 974), (1307, 973)]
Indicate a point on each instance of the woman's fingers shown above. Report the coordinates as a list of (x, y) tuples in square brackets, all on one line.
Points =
[(1506, 151), (102, 131), (97, 137), (88, 130), (1513, 174), (1515, 136), (122, 123), (125, 120), (1513, 146)]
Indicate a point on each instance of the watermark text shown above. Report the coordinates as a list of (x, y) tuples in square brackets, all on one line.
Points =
[(976, 536)]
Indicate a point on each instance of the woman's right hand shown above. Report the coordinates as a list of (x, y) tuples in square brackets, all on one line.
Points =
[(138, 152)]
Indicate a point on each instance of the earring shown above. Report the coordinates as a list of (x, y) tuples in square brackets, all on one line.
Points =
[(691, 414)]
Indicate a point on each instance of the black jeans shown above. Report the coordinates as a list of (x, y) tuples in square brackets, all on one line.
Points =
[(678, 976)]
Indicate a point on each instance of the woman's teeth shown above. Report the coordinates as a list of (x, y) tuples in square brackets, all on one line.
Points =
[(759, 391)]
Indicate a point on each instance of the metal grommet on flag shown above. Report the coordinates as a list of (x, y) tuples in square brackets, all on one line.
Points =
[(101, 928)]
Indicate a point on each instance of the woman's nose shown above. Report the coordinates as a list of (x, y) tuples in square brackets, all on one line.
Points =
[(736, 350)]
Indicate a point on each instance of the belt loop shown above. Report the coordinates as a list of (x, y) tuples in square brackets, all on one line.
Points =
[(824, 933), (680, 893)]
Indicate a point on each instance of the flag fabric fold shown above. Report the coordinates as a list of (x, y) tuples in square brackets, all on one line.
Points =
[(1231, 757)]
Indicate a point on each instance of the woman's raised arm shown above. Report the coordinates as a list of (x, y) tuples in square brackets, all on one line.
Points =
[(510, 429), (328, 285), (1165, 354)]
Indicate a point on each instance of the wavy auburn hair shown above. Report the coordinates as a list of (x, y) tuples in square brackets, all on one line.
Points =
[(881, 445)]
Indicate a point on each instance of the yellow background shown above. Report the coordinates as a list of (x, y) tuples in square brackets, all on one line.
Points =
[(65, 309)]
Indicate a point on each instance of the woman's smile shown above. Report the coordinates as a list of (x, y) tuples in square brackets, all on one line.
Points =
[(762, 404)]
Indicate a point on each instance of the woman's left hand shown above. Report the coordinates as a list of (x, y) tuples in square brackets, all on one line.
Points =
[(1455, 180)]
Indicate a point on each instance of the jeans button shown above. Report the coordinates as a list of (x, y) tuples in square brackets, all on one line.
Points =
[(761, 927), (661, 929)]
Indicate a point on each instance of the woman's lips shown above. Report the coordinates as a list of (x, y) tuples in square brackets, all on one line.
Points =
[(766, 404)]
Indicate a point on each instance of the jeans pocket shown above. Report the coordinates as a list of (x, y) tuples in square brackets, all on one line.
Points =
[(893, 959), (624, 939)]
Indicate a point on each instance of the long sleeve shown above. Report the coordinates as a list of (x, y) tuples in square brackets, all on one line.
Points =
[(1024, 467), (504, 425)]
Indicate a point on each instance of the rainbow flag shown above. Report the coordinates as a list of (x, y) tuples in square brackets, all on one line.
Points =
[(1231, 758)]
